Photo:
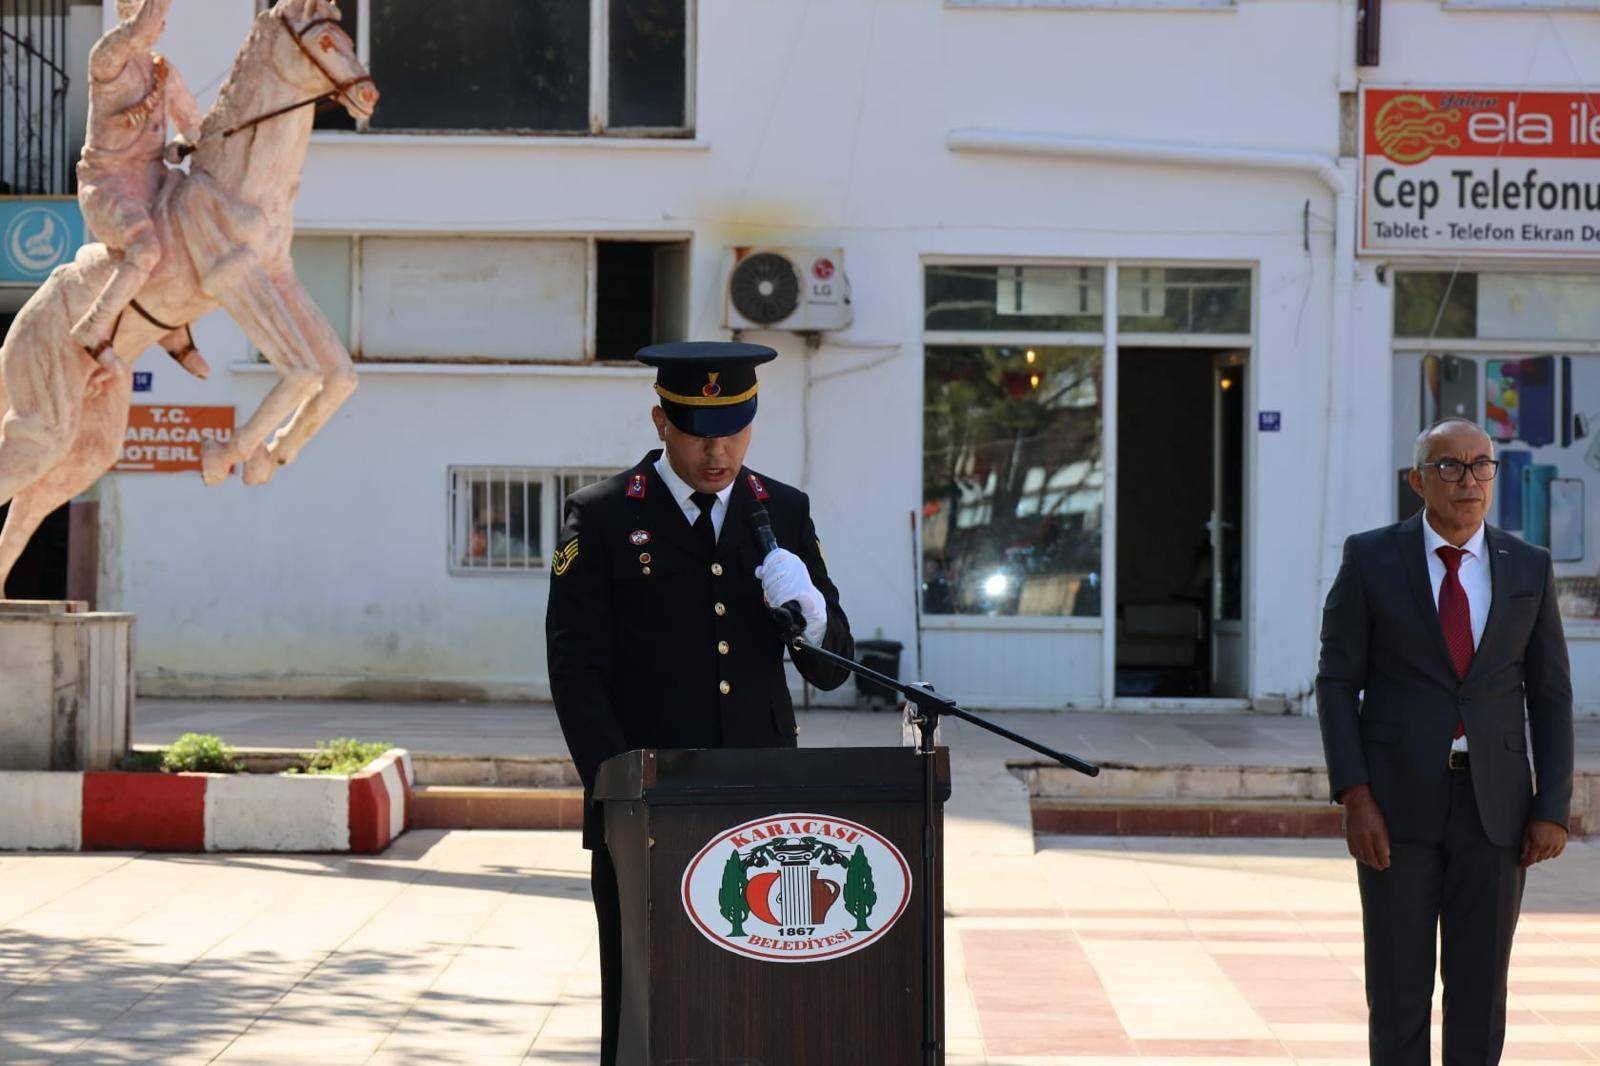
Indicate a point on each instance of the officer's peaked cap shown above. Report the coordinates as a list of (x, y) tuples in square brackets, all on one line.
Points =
[(707, 388)]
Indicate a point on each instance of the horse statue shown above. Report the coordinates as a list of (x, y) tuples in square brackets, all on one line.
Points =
[(225, 227)]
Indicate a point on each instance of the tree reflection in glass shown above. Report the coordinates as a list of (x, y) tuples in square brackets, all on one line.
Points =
[(1013, 481)]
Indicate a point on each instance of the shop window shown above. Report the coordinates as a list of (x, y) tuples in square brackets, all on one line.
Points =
[(1183, 300), (1015, 298), (1435, 304), (496, 300), (525, 66), (1013, 481), (1521, 5), (1487, 306), (504, 520), (1543, 412)]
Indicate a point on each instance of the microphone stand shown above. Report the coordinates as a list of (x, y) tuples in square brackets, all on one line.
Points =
[(925, 707)]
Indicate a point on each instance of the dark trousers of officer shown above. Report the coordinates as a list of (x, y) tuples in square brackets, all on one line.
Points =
[(1470, 891), (608, 911)]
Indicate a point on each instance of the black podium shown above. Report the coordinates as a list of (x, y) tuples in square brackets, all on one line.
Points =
[(772, 905)]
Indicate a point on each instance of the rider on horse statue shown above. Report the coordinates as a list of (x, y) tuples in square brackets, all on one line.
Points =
[(133, 92)]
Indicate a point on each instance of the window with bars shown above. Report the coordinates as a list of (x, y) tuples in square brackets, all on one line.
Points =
[(504, 519), (37, 46)]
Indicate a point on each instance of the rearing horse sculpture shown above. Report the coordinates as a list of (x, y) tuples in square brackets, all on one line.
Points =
[(225, 230)]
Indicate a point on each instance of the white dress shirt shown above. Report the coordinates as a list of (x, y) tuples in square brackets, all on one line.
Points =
[(682, 492), (1475, 579)]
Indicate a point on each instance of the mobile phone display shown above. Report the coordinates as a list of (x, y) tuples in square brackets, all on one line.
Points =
[(1509, 483), (1501, 401), (1536, 503), (1458, 388), (1566, 520), (1429, 412), (1407, 502), (1567, 427), (1536, 421)]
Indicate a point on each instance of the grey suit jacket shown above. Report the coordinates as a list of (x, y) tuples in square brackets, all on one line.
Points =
[(1388, 696)]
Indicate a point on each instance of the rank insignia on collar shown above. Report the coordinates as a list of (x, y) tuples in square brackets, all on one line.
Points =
[(639, 538), (564, 557), (636, 486), (758, 488)]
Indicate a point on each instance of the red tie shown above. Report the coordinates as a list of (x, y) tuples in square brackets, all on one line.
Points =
[(1455, 615)]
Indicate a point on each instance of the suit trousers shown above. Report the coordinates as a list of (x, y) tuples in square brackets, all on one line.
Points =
[(608, 911), (1467, 889)]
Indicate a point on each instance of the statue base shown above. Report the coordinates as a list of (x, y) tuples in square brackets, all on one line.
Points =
[(66, 686)]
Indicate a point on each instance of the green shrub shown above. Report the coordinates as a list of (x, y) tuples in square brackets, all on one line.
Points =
[(199, 753), (342, 756)]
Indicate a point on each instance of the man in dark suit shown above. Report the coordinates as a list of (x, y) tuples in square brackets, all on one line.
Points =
[(659, 627), (1442, 656)]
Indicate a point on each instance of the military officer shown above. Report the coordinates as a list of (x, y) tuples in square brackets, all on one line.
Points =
[(659, 629)]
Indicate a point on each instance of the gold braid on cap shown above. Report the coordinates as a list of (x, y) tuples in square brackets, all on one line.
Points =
[(708, 401)]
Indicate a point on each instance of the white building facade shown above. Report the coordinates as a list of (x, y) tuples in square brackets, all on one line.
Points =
[(1126, 358)]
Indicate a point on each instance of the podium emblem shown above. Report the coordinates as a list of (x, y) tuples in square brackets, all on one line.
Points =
[(796, 888)]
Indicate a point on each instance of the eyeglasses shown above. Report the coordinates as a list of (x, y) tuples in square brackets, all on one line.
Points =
[(1453, 470)]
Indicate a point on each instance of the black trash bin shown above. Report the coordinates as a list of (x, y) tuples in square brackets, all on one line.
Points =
[(884, 657)]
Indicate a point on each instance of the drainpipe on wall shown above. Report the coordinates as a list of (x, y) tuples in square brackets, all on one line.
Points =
[(1337, 175), (1341, 408), (1110, 149)]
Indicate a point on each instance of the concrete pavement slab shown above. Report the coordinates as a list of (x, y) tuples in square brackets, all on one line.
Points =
[(479, 947)]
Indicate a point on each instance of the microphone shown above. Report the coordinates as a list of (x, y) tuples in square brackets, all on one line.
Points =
[(761, 526), (791, 621)]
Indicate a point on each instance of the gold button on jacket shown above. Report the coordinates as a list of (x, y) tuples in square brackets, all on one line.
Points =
[(725, 688)]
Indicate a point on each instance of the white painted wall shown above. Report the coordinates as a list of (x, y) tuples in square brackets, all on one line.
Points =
[(819, 123)]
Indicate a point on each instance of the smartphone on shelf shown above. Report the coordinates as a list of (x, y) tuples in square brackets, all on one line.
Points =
[(1566, 520), (1428, 412), (1509, 483), (1536, 424), (1406, 500), (1458, 387), (1501, 398), (1536, 503), (1568, 428)]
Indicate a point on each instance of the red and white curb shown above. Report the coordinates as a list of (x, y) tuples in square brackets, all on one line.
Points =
[(113, 811)]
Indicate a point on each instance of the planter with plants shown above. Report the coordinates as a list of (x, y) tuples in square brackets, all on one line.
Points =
[(198, 794)]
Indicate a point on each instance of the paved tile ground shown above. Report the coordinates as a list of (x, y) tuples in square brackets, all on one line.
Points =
[(477, 947), (1180, 952)]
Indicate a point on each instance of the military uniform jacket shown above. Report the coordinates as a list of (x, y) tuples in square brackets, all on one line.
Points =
[(655, 641)]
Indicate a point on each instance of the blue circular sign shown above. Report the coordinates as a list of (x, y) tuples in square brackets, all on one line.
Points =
[(37, 241)]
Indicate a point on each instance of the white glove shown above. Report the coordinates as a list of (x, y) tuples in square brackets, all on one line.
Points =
[(784, 577)]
